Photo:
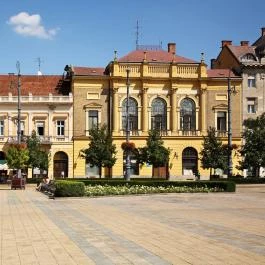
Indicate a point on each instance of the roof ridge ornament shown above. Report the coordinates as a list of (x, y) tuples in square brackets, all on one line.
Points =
[(115, 56), (202, 57)]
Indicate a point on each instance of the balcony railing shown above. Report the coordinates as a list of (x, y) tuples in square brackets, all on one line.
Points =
[(34, 99), (155, 70), (43, 139), (221, 134), (189, 133), (132, 132)]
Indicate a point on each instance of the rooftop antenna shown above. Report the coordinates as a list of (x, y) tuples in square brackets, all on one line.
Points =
[(39, 61), (137, 34)]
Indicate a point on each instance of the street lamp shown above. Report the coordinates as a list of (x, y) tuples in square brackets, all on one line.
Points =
[(230, 90), (128, 161), (18, 112)]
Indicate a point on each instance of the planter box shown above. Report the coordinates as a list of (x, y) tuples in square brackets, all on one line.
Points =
[(18, 183)]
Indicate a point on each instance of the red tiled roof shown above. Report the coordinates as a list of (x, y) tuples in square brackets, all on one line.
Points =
[(94, 71), (36, 85), (239, 51), (153, 56), (220, 73)]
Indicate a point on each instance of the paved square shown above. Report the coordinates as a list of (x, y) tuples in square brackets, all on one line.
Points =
[(214, 228)]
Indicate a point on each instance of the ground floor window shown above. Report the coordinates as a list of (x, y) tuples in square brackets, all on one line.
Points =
[(60, 165), (91, 171), (189, 161), (134, 169)]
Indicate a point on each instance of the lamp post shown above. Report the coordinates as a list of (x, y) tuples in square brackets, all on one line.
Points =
[(128, 162), (229, 160), (262, 77), (18, 112)]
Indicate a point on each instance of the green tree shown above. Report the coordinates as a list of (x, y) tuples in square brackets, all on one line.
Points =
[(38, 157), (17, 156), (154, 152), (213, 153), (101, 151), (252, 151)]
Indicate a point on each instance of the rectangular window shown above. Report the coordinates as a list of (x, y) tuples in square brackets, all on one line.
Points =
[(2, 128), (60, 128), (40, 128), (92, 119), (221, 121), (251, 105), (251, 81), (22, 127)]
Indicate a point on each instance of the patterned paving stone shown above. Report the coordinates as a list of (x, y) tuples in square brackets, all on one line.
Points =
[(215, 228)]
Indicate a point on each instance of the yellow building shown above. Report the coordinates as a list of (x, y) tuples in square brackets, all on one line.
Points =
[(46, 107), (170, 93)]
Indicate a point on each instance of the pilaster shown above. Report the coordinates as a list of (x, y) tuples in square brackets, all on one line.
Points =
[(173, 110), (115, 113), (144, 110)]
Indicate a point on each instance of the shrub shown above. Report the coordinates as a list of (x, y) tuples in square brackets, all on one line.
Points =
[(99, 190), (65, 188), (226, 186)]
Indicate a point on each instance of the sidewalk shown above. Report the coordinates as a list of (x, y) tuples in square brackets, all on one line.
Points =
[(215, 228)]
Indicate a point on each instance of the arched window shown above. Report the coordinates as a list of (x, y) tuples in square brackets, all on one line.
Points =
[(187, 115), (190, 161), (60, 165), (133, 114), (159, 115)]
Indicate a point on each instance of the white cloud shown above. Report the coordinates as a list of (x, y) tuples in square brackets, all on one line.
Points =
[(30, 25)]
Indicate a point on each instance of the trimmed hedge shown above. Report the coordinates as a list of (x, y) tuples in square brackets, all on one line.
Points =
[(113, 179), (242, 180), (65, 188), (227, 186), (33, 180)]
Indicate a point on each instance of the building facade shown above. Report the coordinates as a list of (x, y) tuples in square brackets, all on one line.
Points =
[(47, 108), (177, 96), (249, 62)]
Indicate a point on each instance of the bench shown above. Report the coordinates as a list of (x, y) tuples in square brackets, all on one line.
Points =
[(49, 189)]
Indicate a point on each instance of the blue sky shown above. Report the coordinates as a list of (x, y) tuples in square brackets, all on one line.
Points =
[(85, 33)]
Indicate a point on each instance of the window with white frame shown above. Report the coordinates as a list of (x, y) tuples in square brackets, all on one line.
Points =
[(1, 127), (91, 171), (92, 119), (251, 105), (221, 121), (60, 126), (40, 128), (251, 81), (22, 127)]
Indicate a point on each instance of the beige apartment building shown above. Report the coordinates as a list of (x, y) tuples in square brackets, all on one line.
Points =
[(249, 61), (47, 108)]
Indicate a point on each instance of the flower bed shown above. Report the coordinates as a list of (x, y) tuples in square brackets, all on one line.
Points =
[(103, 190)]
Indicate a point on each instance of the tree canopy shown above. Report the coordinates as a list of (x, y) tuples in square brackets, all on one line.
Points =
[(213, 153), (252, 150), (154, 152), (101, 151), (38, 157), (17, 156)]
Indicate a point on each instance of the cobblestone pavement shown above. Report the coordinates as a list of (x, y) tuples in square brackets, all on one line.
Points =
[(214, 228)]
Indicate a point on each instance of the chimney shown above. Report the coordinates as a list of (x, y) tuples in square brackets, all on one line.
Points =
[(212, 63), (262, 31), (226, 42), (244, 43), (171, 48)]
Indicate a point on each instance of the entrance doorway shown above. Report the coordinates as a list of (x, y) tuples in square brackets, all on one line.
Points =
[(60, 165), (189, 161)]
